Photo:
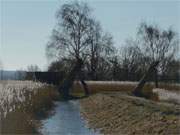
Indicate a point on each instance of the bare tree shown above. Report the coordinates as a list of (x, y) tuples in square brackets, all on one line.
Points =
[(95, 37), (78, 38), (33, 68), (106, 53), (101, 47), (70, 37), (171, 70), (131, 56), (157, 45), (30, 75), (61, 65), (138, 89)]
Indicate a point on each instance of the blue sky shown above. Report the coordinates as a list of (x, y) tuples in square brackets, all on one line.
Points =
[(26, 25)]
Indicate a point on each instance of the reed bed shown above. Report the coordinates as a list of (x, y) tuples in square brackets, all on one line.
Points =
[(23, 104)]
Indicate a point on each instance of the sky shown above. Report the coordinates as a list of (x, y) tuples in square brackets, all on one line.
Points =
[(26, 25)]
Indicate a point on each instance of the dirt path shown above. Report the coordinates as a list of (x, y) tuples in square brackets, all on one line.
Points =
[(121, 114)]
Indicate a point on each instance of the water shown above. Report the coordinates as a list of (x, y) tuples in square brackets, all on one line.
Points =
[(66, 121)]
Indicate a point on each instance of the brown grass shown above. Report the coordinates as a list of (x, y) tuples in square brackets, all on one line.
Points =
[(99, 87), (126, 87), (117, 113), (25, 118), (121, 87)]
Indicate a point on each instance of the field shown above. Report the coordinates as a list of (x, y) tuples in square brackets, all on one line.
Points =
[(109, 86), (166, 91), (22, 104)]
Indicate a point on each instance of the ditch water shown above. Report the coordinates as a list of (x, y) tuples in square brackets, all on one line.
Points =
[(66, 121)]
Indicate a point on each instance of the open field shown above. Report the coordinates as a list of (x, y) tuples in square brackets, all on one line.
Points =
[(123, 86), (23, 104), (117, 113), (167, 91)]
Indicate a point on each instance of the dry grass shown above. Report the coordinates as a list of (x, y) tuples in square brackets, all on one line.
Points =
[(123, 87), (96, 86), (25, 118), (117, 113)]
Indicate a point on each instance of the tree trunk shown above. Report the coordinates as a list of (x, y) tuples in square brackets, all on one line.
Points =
[(86, 90), (67, 84), (156, 78), (85, 87), (138, 90)]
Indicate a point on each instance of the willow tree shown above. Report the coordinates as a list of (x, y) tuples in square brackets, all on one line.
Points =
[(157, 45), (70, 38), (78, 38), (99, 50)]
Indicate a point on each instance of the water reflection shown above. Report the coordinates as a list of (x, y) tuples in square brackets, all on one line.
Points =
[(66, 121)]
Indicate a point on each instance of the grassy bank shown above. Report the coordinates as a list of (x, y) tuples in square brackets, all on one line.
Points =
[(114, 113), (25, 118)]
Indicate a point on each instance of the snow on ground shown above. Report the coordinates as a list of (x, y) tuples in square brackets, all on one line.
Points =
[(14, 92)]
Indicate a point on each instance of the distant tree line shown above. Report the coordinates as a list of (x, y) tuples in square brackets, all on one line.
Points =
[(78, 35)]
